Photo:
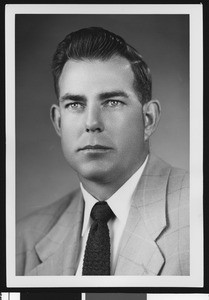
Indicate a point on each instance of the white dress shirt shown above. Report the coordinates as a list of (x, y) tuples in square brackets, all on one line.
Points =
[(116, 226)]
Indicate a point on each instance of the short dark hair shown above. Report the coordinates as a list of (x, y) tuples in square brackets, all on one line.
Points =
[(98, 43)]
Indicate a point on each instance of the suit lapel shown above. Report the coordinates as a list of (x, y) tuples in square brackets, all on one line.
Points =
[(58, 250), (139, 253)]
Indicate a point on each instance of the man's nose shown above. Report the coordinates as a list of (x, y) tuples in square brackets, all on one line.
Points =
[(94, 120)]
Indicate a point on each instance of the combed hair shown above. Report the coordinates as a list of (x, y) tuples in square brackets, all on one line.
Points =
[(98, 43)]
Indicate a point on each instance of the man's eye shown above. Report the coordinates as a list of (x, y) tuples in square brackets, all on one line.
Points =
[(114, 103), (74, 105)]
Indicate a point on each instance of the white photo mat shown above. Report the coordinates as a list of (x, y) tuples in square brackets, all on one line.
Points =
[(196, 150)]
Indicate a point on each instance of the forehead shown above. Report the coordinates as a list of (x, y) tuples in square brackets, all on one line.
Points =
[(96, 75)]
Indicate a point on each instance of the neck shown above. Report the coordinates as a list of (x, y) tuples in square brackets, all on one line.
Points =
[(103, 190)]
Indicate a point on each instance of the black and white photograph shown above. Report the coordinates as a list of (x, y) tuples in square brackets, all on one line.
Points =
[(104, 145)]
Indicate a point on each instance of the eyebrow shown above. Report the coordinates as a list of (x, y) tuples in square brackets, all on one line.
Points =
[(102, 96), (113, 94), (68, 96)]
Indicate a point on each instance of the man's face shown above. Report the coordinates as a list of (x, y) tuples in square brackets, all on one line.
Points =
[(100, 119)]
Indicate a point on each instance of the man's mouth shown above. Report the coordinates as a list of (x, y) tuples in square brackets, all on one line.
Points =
[(95, 148)]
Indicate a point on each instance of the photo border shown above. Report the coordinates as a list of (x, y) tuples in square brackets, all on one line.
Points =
[(196, 149)]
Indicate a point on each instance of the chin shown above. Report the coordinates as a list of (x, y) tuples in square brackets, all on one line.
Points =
[(99, 176), (95, 174)]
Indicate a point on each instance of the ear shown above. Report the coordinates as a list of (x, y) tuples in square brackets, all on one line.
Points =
[(152, 112), (56, 118)]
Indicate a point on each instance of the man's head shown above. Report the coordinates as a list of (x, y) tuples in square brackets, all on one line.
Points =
[(98, 43), (105, 114)]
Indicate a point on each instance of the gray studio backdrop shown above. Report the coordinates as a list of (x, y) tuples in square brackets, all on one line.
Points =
[(42, 174)]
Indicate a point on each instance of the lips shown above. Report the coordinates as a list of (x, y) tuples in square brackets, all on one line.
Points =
[(94, 147)]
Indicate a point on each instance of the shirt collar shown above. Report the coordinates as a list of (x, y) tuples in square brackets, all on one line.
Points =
[(124, 193), (89, 203)]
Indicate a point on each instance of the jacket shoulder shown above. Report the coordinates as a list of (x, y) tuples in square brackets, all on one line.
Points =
[(178, 183), (176, 237), (37, 224), (178, 204), (177, 178)]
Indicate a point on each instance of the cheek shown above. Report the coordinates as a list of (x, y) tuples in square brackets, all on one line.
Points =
[(69, 125), (131, 128), (68, 134)]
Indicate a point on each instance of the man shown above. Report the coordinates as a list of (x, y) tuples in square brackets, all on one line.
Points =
[(105, 116)]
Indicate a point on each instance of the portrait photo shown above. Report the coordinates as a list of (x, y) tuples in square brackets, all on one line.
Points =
[(104, 145)]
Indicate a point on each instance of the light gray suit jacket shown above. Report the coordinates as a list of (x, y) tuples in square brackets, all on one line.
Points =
[(155, 240)]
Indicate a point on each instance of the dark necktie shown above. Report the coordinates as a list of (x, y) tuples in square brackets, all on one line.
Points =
[(97, 253)]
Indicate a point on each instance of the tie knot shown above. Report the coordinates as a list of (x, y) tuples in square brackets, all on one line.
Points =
[(101, 212)]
